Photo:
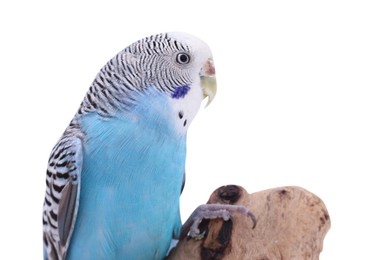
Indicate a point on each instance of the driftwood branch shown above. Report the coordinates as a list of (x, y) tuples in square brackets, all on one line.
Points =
[(291, 224)]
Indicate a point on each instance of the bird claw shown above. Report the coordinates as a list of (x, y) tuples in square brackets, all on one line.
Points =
[(212, 211)]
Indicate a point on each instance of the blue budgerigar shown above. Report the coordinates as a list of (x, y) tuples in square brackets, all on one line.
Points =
[(115, 176)]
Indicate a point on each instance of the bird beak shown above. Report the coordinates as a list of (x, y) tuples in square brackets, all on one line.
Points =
[(208, 80)]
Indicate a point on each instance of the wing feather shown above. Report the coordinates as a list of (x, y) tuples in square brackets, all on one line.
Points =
[(66, 213), (62, 194)]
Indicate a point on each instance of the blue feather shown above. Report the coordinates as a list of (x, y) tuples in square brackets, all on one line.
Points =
[(132, 175)]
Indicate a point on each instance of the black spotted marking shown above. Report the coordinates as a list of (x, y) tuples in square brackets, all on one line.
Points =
[(180, 114), (185, 122)]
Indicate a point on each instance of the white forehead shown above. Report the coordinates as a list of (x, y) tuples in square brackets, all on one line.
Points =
[(197, 45)]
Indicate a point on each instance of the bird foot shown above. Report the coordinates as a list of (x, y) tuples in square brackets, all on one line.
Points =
[(212, 211)]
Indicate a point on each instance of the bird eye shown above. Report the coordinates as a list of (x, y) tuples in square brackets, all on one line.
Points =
[(183, 58)]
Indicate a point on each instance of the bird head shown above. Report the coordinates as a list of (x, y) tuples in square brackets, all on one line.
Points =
[(173, 71)]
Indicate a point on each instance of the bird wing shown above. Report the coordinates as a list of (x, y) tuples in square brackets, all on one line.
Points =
[(62, 195)]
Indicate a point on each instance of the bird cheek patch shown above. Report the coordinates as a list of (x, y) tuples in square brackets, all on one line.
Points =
[(180, 92)]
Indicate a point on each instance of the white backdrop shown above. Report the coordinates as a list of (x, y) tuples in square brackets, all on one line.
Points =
[(292, 104)]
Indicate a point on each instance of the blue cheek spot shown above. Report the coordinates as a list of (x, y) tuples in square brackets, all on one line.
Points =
[(180, 92)]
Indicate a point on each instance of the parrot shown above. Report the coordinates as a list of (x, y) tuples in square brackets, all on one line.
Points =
[(115, 176)]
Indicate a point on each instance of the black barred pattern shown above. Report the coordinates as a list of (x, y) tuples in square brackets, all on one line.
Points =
[(61, 171), (146, 63)]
